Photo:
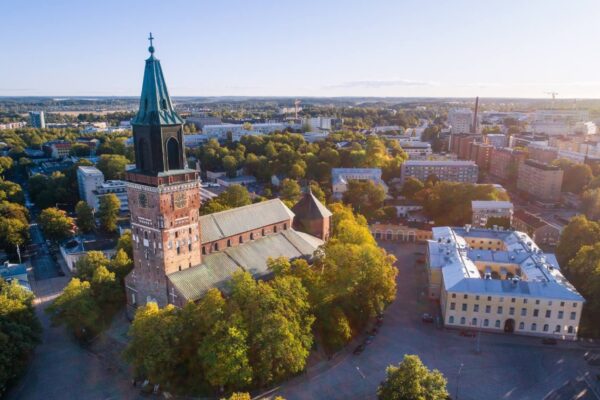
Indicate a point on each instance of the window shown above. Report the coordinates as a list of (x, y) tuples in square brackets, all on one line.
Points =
[(241, 239), (486, 322), (562, 303), (524, 301), (453, 295), (488, 309), (228, 242), (204, 250), (263, 232), (574, 305), (252, 236), (573, 315), (534, 327), (452, 306), (560, 315), (550, 302), (466, 296), (570, 329), (284, 227), (451, 319), (536, 312), (497, 323), (133, 301), (512, 300), (511, 311), (499, 309), (474, 322), (477, 297), (548, 313), (462, 320), (521, 325), (537, 302), (216, 246), (523, 312), (178, 250), (545, 328), (275, 229), (557, 329), (190, 246), (464, 307), (476, 307), (489, 298)]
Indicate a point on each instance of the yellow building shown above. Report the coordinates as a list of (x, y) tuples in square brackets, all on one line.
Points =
[(500, 280)]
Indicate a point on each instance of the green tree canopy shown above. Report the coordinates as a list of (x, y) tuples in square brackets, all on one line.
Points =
[(112, 166), (576, 177), (85, 216), (579, 232), (108, 212), (366, 197), (56, 224), (411, 380)]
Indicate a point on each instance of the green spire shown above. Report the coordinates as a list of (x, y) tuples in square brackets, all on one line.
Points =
[(155, 104)]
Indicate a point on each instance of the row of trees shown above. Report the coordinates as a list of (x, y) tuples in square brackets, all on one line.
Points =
[(14, 217), (578, 253), (92, 297), (19, 331)]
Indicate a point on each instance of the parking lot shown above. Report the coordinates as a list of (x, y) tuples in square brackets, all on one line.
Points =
[(507, 367)]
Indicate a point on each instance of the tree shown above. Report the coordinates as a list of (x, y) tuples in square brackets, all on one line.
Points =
[(80, 150), (56, 224), (76, 308), (290, 191), (576, 178), (112, 166), (106, 291), (108, 212), (316, 190), (125, 243), (87, 265), (590, 202), (235, 196), (366, 197), (6, 163), (19, 331), (579, 232), (411, 187), (121, 264), (411, 380), (504, 222), (85, 216)]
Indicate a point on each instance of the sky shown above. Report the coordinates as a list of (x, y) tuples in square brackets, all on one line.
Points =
[(395, 48)]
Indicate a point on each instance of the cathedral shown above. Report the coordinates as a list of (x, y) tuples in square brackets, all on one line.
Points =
[(179, 255)]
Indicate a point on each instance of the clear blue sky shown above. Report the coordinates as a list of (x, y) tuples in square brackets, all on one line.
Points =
[(303, 48)]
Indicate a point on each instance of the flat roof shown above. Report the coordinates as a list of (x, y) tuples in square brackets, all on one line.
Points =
[(440, 163), (485, 204)]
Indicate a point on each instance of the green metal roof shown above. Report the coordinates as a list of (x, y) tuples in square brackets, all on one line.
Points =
[(217, 268), (155, 104), (243, 219)]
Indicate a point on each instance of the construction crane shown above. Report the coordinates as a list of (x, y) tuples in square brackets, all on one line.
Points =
[(553, 94), (296, 108)]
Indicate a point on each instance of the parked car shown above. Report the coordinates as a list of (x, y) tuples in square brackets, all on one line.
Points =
[(427, 318), (359, 349), (467, 333), (550, 341)]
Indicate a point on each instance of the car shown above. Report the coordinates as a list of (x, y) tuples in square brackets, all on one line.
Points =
[(427, 318), (467, 333), (359, 349), (379, 320), (550, 341)]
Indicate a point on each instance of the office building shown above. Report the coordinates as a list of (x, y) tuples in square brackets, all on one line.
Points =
[(460, 120), (454, 171), (500, 281), (540, 180), (483, 210), (88, 179), (416, 150), (37, 119)]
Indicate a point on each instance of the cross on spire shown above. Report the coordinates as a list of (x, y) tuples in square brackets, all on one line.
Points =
[(151, 48)]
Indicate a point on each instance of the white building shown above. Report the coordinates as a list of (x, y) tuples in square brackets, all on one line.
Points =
[(91, 184), (221, 131), (558, 122), (37, 120), (450, 170), (500, 281), (88, 179), (312, 137), (341, 176), (460, 120), (483, 210), (416, 150), (496, 139), (318, 124)]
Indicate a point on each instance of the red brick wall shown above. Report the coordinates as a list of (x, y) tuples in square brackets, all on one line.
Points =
[(209, 247)]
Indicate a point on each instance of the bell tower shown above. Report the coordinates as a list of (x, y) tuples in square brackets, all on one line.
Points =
[(163, 194)]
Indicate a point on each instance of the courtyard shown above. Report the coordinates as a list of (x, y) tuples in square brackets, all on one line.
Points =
[(506, 367)]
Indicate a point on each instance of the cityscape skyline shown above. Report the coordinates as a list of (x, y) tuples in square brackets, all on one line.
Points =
[(388, 49)]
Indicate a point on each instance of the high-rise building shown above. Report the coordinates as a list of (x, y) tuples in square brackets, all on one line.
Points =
[(504, 162), (542, 181), (88, 179), (460, 120), (37, 120)]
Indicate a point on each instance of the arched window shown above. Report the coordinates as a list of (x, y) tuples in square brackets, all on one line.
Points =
[(534, 327), (263, 232), (462, 320), (474, 322), (557, 329), (173, 154), (545, 327), (451, 319), (486, 322), (521, 325), (497, 323), (251, 235), (143, 154)]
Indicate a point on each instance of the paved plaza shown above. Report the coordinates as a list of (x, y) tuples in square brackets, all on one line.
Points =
[(508, 366)]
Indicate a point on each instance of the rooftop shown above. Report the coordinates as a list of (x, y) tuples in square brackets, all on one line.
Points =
[(440, 163), (487, 204)]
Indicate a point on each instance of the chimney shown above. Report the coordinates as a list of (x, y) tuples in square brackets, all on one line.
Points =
[(474, 126)]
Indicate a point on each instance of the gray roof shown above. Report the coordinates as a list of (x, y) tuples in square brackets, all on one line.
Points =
[(243, 219), (218, 268)]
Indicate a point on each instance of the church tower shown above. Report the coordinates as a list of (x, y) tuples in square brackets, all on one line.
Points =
[(163, 194)]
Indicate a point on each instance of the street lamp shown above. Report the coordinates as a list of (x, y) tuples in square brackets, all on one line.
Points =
[(458, 380)]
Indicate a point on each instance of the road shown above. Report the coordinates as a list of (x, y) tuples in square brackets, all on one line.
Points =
[(44, 266), (508, 367)]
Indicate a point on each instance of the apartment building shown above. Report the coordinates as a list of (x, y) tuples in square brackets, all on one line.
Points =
[(500, 281), (496, 139), (37, 119), (416, 150), (504, 162), (460, 120), (92, 187), (481, 153), (542, 153), (483, 210), (449, 170), (540, 180)]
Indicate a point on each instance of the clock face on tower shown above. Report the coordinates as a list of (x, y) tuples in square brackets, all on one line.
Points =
[(179, 200), (143, 200)]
